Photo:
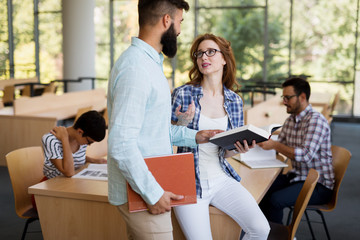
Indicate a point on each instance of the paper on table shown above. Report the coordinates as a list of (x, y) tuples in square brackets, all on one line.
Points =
[(93, 172)]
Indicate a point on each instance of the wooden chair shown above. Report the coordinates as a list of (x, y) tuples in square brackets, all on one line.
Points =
[(51, 88), (106, 117), (9, 95), (341, 159), (98, 149), (81, 111), (25, 166), (26, 91), (279, 231)]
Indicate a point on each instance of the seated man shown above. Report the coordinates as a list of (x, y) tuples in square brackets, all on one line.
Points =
[(65, 148), (305, 140)]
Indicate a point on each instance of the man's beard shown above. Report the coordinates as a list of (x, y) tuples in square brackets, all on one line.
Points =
[(294, 109), (169, 42)]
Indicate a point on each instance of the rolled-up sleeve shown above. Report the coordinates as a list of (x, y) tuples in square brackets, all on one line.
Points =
[(183, 136)]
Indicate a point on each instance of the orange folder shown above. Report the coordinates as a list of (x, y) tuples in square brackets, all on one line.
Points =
[(175, 173)]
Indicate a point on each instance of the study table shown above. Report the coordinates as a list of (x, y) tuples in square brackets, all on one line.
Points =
[(71, 208), (60, 106), (57, 106), (17, 81)]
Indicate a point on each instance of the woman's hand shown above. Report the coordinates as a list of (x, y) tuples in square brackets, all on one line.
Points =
[(185, 118), (240, 148), (243, 148)]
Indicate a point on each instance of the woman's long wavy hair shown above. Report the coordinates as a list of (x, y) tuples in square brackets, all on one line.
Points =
[(229, 73)]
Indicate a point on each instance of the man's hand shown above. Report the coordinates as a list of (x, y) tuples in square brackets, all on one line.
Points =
[(185, 118), (163, 205), (203, 136), (267, 145)]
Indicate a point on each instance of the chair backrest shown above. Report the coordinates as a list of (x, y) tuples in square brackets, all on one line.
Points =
[(9, 94), (51, 88), (106, 117), (25, 166), (303, 200), (334, 102), (26, 91), (98, 149), (81, 111), (341, 158)]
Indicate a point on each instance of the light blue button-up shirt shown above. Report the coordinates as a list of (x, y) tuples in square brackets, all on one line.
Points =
[(139, 106)]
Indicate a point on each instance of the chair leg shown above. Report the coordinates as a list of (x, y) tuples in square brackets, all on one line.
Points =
[(289, 216), (324, 223), (28, 221), (309, 224)]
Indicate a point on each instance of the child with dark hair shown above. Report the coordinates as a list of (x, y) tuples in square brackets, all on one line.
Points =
[(65, 147)]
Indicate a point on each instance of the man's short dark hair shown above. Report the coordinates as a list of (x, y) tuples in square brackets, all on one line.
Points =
[(150, 11), (300, 85), (93, 124)]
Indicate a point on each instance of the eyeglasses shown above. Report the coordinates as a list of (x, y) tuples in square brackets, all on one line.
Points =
[(287, 98), (210, 52), (88, 141)]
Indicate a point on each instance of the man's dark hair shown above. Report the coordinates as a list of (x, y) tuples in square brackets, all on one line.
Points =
[(151, 10), (300, 85), (93, 124)]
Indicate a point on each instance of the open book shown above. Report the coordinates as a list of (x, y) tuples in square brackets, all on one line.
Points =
[(93, 172), (248, 132), (175, 173), (259, 158)]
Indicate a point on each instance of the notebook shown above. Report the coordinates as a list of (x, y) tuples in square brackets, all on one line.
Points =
[(93, 172), (259, 158), (175, 173)]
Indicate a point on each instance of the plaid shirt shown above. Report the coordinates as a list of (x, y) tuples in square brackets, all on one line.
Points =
[(234, 108), (309, 134)]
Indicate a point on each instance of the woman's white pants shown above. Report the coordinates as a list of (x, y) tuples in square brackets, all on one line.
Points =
[(233, 199)]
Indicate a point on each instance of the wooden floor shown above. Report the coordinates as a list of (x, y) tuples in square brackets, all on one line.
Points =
[(343, 221)]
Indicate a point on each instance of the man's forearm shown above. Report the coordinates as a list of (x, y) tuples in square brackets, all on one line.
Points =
[(285, 150)]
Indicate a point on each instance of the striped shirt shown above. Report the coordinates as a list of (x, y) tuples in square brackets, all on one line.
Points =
[(53, 150), (309, 134), (233, 106)]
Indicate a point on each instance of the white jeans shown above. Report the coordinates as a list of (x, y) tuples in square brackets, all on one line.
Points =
[(233, 199)]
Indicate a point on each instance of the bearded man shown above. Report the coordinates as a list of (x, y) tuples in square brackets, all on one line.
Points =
[(139, 108)]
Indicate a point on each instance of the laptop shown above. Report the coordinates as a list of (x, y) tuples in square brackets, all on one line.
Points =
[(260, 158)]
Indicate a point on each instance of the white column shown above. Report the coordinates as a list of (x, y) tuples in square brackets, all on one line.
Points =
[(78, 42)]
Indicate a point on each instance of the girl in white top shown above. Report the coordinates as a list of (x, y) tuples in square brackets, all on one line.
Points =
[(207, 102)]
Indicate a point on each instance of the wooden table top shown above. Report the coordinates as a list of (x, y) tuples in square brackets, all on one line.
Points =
[(257, 181)]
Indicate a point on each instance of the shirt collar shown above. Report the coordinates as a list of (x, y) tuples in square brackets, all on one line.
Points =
[(198, 92), (302, 114), (228, 94), (149, 50)]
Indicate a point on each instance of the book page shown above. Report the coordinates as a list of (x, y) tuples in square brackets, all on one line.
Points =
[(102, 166), (93, 173), (257, 153), (271, 128)]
